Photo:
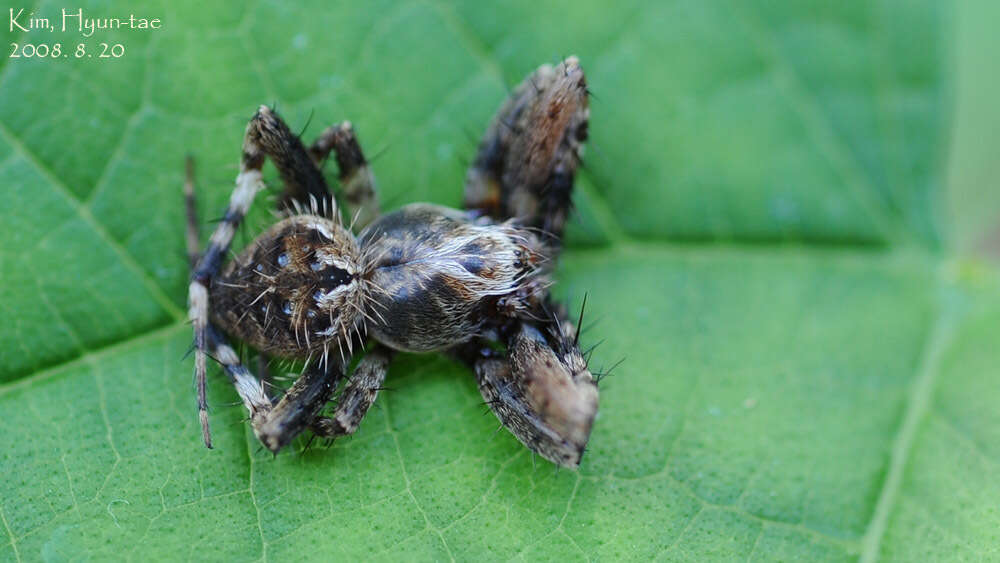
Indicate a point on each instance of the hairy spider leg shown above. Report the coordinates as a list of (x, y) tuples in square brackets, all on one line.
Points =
[(540, 387), (304, 184), (301, 404), (527, 160), (249, 388), (356, 177), (299, 407), (360, 391), (266, 135), (358, 395), (248, 183)]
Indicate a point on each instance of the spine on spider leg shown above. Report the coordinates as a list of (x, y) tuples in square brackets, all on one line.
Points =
[(527, 160)]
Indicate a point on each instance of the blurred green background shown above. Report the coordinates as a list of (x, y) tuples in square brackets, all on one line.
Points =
[(788, 225)]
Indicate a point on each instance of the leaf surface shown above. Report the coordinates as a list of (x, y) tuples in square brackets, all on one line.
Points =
[(809, 366)]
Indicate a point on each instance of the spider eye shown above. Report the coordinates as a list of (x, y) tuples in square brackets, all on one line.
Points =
[(332, 276), (286, 307), (282, 260)]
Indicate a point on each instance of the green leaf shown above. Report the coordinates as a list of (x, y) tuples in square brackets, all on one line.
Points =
[(810, 368)]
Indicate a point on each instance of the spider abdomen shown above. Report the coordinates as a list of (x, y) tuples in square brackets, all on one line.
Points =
[(437, 276)]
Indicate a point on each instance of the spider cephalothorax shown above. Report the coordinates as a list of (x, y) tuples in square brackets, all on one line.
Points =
[(422, 278), (295, 289)]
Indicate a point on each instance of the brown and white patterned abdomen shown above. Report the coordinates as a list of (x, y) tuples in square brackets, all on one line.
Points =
[(437, 276)]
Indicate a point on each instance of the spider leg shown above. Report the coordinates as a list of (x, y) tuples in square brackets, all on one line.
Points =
[(357, 397), (356, 176), (248, 183), (527, 160), (191, 210), (250, 389), (300, 405), (304, 183), (277, 425), (541, 388)]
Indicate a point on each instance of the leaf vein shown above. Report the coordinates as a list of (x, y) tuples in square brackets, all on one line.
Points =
[(156, 292), (858, 184), (917, 406), (10, 534)]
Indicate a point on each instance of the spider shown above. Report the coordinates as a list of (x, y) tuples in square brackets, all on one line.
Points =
[(472, 283)]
